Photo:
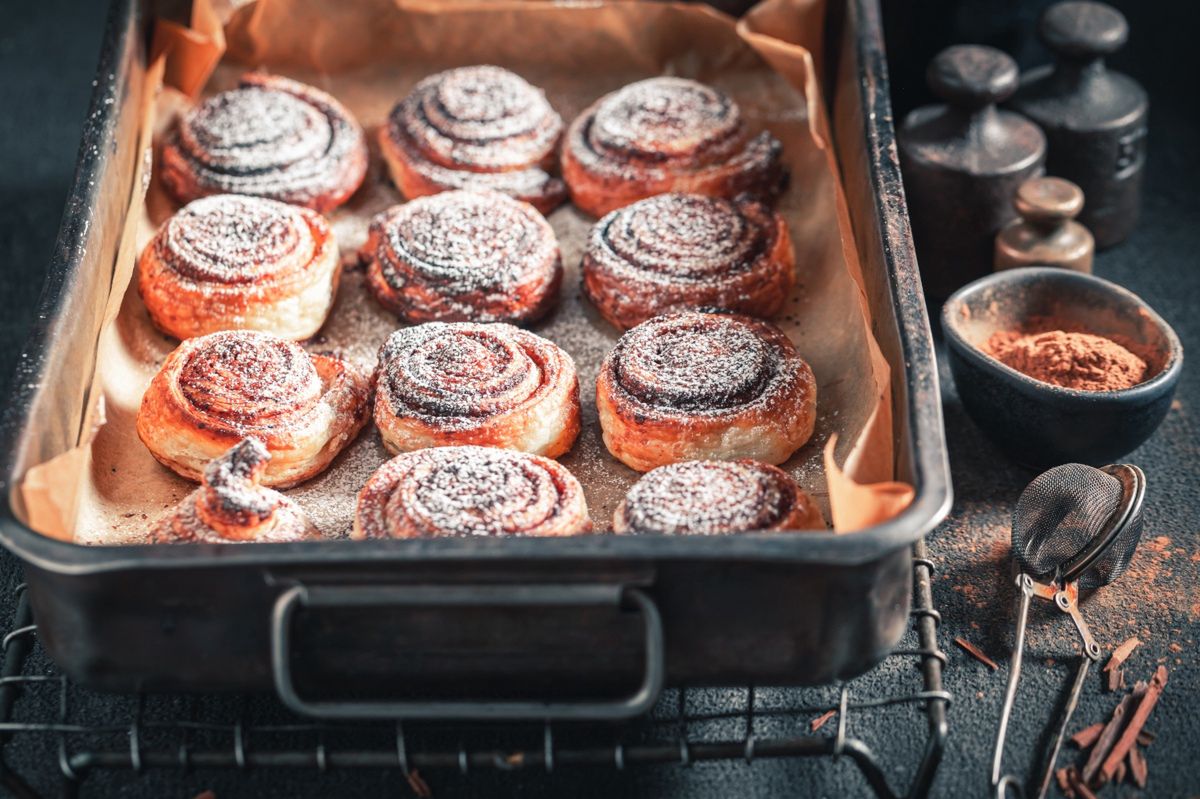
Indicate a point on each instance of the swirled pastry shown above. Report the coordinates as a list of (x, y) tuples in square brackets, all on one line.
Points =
[(470, 491), (269, 137), (661, 135), (215, 390), (463, 383), (716, 498), (476, 127), (230, 506), (696, 386), (230, 262), (678, 251), (463, 256)]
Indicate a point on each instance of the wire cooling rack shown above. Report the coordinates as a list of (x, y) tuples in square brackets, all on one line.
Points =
[(154, 732)]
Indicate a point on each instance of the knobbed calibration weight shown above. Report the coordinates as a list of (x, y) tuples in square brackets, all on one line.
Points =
[(962, 163), (1094, 118), (1047, 233)]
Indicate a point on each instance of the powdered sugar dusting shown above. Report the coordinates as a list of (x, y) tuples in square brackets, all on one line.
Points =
[(478, 119), (678, 237), (665, 117), (459, 374), (232, 507), (701, 363), (709, 498), (272, 137), (466, 241), (470, 491), (674, 133), (243, 377), (230, 238)]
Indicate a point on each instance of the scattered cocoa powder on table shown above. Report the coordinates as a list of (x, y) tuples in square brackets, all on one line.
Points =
[(1071, 360)]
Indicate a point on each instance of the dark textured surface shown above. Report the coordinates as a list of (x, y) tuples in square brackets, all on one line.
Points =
[(47, 54)]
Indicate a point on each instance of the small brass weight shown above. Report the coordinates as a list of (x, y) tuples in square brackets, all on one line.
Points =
[(1047, 233)]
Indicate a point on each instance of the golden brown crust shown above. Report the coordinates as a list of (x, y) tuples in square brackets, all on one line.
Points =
[(696, 386), (679, 251), (716, 498), (215, 390), (493, 385), (459, 256), (230, 262), (666, 135), (478, 127), (479, 491), (231, 507), (270, 137)]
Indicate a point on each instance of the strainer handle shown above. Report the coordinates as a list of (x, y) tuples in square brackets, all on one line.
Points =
[(1072, 702), (1003, 782)]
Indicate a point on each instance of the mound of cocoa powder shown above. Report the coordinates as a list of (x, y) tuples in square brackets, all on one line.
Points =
[(1070, 359)]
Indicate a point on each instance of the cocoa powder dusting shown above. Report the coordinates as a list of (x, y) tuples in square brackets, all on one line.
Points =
[(1072, 360)]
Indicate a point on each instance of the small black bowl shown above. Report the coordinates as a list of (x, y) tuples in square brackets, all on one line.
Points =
[(1040, 424)]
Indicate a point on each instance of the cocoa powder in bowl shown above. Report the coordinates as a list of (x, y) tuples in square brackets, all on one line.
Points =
[(1074, 360)]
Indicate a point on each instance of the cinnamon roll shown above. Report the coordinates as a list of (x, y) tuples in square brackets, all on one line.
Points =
[(695, 386), (463, 256), (231, 507), (661, 135), (231, 262), (215, 390), (476, 127), (716, 498), (462, 383), (269, 137), (470, 491), (677, 251)]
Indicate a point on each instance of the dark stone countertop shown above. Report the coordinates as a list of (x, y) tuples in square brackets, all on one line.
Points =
[(47, 56)]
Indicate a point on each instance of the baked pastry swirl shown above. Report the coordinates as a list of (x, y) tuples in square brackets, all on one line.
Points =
[(478, 127), (696, 386), (470, 491), (230, 507), (716, 498), (230, 262), (463, 383), (270, 137), (677, 251), (463, 256), (661, 135), (215, 390)]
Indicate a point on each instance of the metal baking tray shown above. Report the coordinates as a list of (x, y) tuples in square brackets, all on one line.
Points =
[(587, 627)]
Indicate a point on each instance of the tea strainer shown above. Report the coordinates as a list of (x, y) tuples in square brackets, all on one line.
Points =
[(1075, 527)]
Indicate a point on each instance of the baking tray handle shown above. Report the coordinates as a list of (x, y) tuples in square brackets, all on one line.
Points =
[(301, 596)]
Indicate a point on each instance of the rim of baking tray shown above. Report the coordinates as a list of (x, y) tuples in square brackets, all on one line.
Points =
[(923, 416)]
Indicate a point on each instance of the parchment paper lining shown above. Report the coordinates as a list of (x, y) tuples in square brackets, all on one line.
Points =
[(576, 53)]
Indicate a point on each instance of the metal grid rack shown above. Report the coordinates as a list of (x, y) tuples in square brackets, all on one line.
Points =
[(687, 726)]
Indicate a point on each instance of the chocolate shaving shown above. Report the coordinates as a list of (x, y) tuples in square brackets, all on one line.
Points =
[(821, 720), (1066, 778), (976, 653), (1107, 736), (1121, 654), (1115, 680), (1082, 790), (418, 785), (1088, 735), (1128, 739), (1138, 770)]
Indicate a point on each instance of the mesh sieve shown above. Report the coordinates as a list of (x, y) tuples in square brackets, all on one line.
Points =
[(1061, 513)]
